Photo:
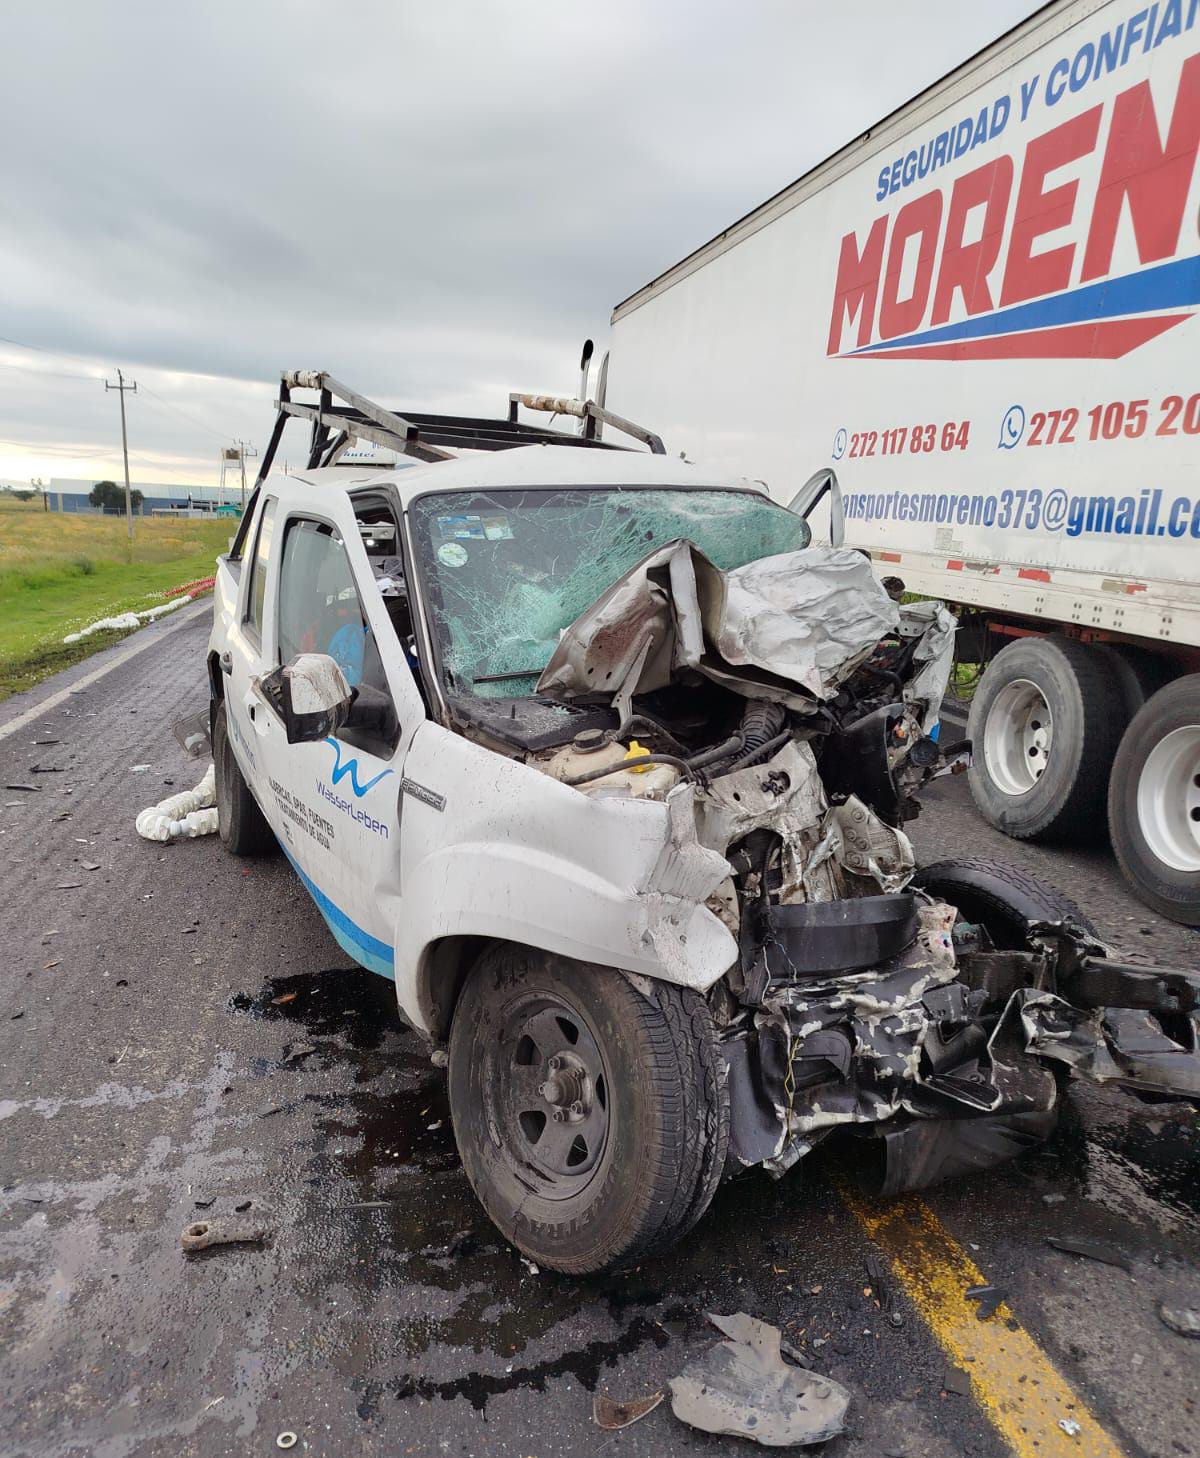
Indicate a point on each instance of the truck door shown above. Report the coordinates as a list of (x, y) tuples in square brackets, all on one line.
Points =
[(334, 804), (242, 661)]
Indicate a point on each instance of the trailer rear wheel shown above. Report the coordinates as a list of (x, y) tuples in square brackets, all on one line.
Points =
[(1154, 802), (1138, 674), (1045, 722)]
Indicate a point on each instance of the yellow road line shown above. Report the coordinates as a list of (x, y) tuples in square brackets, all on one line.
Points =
[(1012, 1379)]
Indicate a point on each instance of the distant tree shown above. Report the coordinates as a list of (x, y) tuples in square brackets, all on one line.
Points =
[(23, 493), (111, 497)]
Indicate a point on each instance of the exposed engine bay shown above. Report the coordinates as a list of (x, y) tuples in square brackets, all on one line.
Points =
[(788, 710)]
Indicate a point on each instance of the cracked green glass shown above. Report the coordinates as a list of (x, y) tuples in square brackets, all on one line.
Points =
[(504, 572)]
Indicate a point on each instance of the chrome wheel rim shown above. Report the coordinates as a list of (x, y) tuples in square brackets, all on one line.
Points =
[(1168, 799), (1018, 734)]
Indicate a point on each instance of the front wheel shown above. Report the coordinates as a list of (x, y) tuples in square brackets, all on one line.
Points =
[(592, 1118), (999, 897), (1154, 802), (241, 824)]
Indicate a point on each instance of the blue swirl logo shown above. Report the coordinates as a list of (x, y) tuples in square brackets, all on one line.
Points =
[(340, 771), (839, 444)]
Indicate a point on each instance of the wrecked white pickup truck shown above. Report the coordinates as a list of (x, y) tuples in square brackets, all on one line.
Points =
[(607, 766)]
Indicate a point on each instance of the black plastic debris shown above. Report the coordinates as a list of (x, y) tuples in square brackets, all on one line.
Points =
[(957, 1381), (989, 1298), (461, 1243), (1092, 1250), (744, 1388)]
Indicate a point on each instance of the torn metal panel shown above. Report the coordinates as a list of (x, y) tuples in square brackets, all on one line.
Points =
[(934, 625), (864, 846), (743, 1387), (901, 1040), (788, 628), (1112, 1045)]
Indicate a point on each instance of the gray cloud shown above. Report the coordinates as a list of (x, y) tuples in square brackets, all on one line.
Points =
[(434, 202)]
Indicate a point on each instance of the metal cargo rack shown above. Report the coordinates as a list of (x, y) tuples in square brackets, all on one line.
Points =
[(340, 416)]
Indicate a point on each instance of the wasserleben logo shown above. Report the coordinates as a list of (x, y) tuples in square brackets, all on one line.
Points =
[(350, 768)]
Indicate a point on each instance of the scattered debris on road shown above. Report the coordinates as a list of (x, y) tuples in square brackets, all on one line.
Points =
[(295, 1051), (989, 1298), (1183, 1320), (205, 1233), (1092, 1250), (191, 734), (286, 1440), (1070, 1427), (461, 1243), (612, 1415), (744, 1388)]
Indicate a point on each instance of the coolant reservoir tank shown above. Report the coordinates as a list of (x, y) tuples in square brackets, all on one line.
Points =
[(650, 782)]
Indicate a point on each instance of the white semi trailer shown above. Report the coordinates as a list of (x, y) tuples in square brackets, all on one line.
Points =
[(982, 314)]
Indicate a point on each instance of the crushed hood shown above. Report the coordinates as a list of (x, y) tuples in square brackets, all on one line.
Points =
[(790, 628)]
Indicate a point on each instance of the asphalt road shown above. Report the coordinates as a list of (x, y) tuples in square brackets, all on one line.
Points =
[(155, 1002)]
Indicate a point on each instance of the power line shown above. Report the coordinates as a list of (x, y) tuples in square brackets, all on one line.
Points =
[(47, 374), (66, 354), (182, 414), (42, 349)]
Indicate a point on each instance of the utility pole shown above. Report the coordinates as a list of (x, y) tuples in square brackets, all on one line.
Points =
[(121, 387), (244, 449)]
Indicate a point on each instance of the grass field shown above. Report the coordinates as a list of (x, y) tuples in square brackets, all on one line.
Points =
[(59, 572)]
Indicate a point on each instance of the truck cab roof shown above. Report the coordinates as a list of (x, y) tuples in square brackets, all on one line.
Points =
[(525, 466)]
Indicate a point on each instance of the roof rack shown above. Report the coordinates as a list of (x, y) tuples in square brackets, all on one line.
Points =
[(336, 426)]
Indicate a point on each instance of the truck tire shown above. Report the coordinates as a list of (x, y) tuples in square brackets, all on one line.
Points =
[(1137, 674), (999, 897), (240, 823), (1154, 802), (1045, 722), (592, 1118)]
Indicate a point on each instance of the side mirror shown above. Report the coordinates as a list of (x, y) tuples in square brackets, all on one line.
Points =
[(310, 694), (824, 482)]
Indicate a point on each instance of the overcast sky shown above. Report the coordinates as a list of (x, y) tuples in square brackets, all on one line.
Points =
[(436, 203)]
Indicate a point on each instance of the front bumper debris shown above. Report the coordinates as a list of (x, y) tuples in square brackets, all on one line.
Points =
[(951, 1055)]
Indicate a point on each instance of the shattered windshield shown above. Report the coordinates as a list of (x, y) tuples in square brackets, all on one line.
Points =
[(506, 571)]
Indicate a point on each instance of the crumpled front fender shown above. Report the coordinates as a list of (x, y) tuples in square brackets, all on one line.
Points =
[(517, 856)]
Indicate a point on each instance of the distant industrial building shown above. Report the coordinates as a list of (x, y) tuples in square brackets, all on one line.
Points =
[(70, 495)]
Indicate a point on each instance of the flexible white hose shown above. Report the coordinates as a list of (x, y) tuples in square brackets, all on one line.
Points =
[(183, 816)]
